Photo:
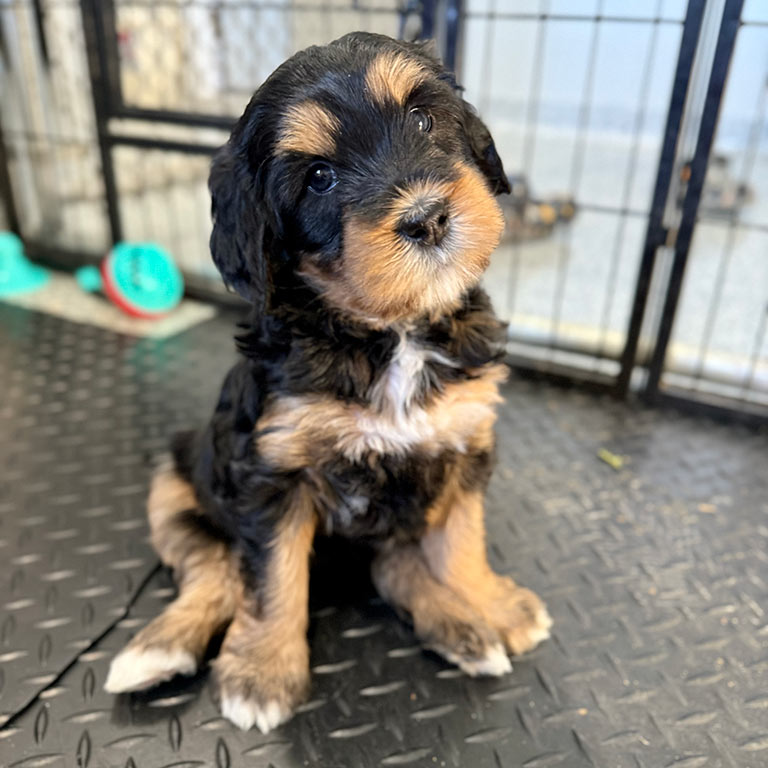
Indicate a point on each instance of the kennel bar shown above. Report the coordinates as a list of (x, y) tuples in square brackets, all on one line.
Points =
[(103, 78), (723, 54), (6, 189), (598, 27), (735, 225), (656, 233), (551, 349)]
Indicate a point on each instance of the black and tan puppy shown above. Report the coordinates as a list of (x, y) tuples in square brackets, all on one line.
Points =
[(354, 208)]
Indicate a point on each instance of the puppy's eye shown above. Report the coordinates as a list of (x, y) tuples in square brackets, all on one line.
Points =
[(421, 119), (322, 178)]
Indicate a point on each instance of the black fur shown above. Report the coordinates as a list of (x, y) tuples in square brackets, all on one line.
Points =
[(294, 344), (264, 217), (296, 351)]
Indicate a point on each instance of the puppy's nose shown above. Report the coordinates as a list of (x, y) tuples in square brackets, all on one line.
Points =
[(426, 226)]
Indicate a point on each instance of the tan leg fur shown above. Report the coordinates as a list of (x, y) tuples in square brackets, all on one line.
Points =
[(209, 584), (263, 667)]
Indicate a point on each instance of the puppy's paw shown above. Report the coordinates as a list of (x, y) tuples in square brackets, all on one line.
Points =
[(245, 713), (521, 617), (136, 668), (261, 690), (166, 647), (469, 643), (493, 663)]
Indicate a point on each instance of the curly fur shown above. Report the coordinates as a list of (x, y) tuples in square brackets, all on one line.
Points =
[(363, 400)]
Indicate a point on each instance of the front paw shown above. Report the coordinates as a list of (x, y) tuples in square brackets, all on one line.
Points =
[(156, 654), (520, 617), (461, 637), (137, 668), (262, 688)]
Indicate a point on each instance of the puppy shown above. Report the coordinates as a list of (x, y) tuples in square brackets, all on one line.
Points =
[(354, 209)]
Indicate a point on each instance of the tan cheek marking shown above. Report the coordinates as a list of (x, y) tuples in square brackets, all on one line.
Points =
[(381, 278), (482, 222), (392, 77), (310, 128), (378, 269)]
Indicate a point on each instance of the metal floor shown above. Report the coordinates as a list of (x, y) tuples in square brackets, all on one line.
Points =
[(656, 576)]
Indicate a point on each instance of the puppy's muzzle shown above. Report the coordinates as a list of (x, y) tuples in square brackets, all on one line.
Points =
[(425, 223)]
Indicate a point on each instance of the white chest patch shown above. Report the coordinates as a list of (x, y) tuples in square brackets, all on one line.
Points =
[(299, 431), (393, 424), (396, 389)]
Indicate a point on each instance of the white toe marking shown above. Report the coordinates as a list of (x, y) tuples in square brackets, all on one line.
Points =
[(538, 634), (134, 669), (495, 663), (245, 713), (239, 711), (271, 716), (541, 632)]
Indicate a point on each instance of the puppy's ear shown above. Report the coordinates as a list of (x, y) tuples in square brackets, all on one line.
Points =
[(238, 240), (484, 151)]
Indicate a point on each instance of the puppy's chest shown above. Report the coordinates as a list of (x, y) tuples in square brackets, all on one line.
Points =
[(313, 431)]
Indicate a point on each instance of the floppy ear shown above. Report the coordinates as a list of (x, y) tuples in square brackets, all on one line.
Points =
[(238, 240), (484, 151)]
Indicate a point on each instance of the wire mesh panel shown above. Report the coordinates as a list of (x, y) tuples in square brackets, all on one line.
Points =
[(172, 208), (111, 109), (203, 59), (575, 93), (719, 344), (207, 56), (159, 59), (48, 125)]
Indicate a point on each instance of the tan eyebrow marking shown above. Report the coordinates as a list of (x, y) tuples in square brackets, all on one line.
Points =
[(392, 77), (308, 127)]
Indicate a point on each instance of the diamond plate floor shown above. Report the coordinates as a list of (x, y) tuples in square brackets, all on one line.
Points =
[(656, 576)]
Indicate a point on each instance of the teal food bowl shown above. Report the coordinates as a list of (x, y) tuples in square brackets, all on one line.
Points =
[(17, 273), (140, 278)]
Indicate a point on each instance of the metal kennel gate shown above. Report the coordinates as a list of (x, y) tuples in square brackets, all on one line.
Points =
[(153, 135)]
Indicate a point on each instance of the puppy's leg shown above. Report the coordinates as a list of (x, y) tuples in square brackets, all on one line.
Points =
[(263, 667), (454, 547), (209, 586), (442, 620)]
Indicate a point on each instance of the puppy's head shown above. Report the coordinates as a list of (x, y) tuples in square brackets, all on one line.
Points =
[(358, 168)]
